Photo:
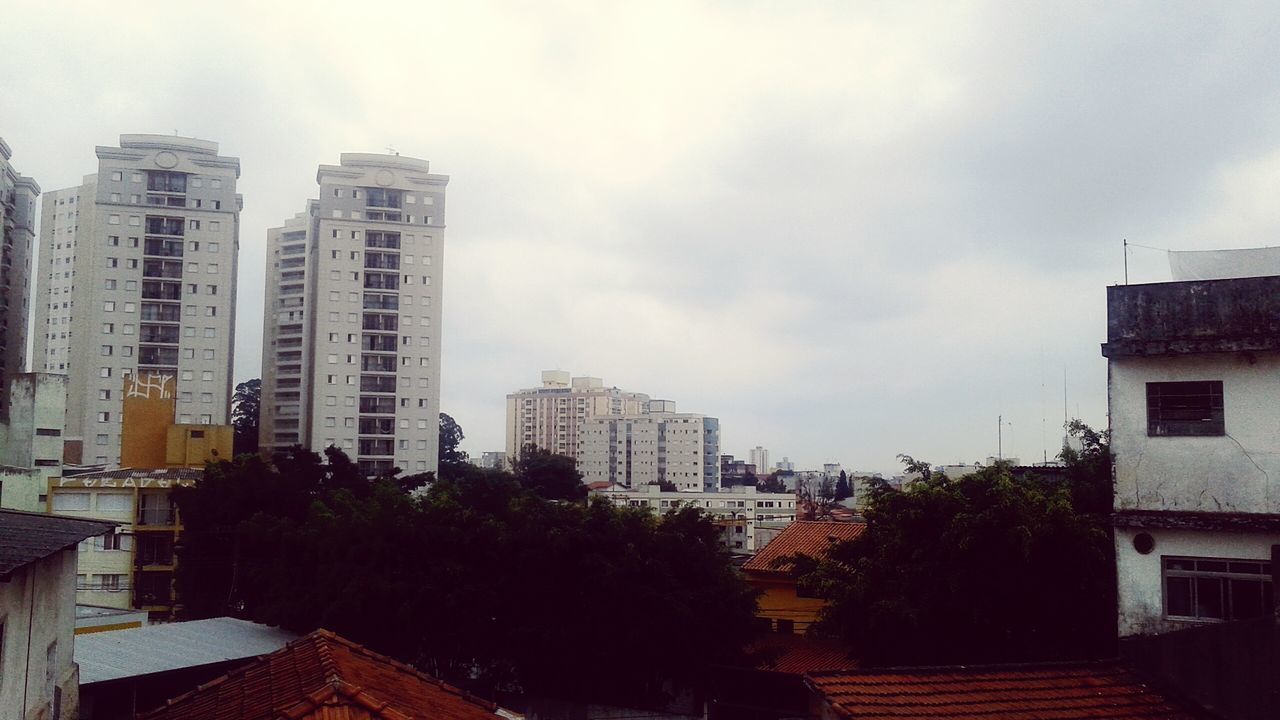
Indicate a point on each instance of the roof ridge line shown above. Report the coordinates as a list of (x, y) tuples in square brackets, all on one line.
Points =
[(404, 667)]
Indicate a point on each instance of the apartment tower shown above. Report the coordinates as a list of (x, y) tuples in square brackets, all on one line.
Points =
[(18, 222), (138, 275), (663, 446), (550, 416), (351, 338)]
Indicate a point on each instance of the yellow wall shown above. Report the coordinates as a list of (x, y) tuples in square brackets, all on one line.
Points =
[(194, 445), (149, 402), (779, 601)]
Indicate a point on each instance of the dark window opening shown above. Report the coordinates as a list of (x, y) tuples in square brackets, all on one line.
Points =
[(1216, 590), (1185, 408)]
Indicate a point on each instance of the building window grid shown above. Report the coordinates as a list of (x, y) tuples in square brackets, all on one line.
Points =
[(1215, 589)]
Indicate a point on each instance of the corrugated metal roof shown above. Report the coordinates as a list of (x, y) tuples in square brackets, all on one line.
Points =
[(172, 646), (26, 537)]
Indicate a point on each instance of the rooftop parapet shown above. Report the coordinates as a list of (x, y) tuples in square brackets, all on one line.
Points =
[(1178, 318)]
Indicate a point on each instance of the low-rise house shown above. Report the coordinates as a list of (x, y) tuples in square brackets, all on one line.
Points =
[(783, 606), (38, 675), (1067, 691), (325, 677)]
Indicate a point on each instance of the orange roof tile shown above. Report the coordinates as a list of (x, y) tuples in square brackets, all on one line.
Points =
[(319, 676), (803, 537), (798, 654), (1067, 691)]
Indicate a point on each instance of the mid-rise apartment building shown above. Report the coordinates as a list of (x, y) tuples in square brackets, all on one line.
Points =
[(138, 275), (351, 346), (550, 416), (1194, 396), (664, 447), (736, 510), (18, 195)]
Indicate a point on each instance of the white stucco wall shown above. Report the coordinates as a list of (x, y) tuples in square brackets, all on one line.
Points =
[(41, 598), (1236, 472), (1140, 584)]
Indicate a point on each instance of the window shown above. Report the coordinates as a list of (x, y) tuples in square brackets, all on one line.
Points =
[(70, 501), (1216, 590), (1185, 408)]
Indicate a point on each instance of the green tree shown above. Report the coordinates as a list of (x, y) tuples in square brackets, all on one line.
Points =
[(548, 475), (985, 568), (843, 490), (477, 580), (452, 461), (246, 407)]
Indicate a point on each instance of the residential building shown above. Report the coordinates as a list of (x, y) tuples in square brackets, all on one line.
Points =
[(550, 416), (736, 509), (31, 438), (351, 340), (125, 672), (1068, 691), (760, 458), (18, 195), (325, 677), (1194, 394), (133, 566), (737, 472), (782, 606), (785, 465), (491, 460), (636, 450), (138, 275), (38, 674), (92, 619)]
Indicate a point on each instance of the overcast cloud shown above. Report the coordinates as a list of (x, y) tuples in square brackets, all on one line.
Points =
[(847, 230)]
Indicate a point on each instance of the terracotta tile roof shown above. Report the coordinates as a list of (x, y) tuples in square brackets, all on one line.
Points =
[(798, 654), (804, 537), (324, 676), (1067, 691)]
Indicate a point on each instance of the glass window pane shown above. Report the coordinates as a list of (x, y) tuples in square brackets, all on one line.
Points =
[(1209, 604), (1246, 599), (1251, 568), (1179, 564), (1211, 566), (1178, 596)]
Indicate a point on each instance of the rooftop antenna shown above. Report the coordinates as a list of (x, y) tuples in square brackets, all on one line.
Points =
[(393, 151), (1126, 261)]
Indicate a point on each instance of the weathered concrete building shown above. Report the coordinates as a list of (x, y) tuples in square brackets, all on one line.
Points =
[(1194, 393), (38, 675)]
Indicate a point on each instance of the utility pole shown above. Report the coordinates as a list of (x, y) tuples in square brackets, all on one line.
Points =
[(1000, 437)]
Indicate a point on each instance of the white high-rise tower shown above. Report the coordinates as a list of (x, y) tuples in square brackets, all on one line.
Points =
[(351, 346)]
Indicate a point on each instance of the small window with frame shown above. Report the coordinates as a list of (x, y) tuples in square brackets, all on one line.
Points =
[(1185, 409)]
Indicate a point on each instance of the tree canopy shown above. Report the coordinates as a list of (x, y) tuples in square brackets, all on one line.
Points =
[(549, 475), (246, 406), (984, 568), (477, 579)]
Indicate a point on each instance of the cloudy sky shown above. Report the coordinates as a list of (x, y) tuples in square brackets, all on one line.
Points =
[(849, 230)]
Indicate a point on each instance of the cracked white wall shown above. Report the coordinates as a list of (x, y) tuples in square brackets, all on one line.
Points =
[(1233, 473), (1236, 472)]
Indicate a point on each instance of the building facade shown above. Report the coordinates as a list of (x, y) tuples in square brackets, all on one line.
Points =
[(635, 450), (138, 275), (736, 510), (760, 458), (549, 416), (38, 674), (31, 438), (1194, 396), (351, 346), (18, 195)]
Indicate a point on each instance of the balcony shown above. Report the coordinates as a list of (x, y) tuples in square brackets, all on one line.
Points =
[(157, 516), (374, 301), (162, 248), (389, 323), (172, 226)]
